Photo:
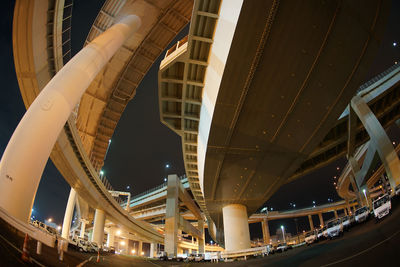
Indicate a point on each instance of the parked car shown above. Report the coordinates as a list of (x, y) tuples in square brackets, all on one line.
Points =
[(311, 237), (320, 234), (334, 228), (382, 206), (282, 247), (361, 214), (346, 222)]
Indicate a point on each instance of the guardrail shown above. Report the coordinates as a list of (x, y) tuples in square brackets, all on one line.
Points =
[(26, 228), (377, 77)]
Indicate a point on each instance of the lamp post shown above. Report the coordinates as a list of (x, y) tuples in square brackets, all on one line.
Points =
[(365, 195), (283, 233)]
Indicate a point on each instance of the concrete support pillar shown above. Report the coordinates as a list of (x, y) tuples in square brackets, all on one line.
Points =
[(311, 222), (321, 220), (336, 215), (265, 231), (345, 211), (172, 216), (33, 139), (378, 136), (201, 239), (153, 252), (236, 227), (140, 248), (111, 237), (69, 212), (83, 228), (98, 227), (189, 251)]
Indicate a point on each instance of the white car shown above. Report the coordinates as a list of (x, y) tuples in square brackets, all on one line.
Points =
[(334, 228), (382, 206), (346, 222), (397, 190), (311, 237), (320, 234), (282, 247), (361, 214)]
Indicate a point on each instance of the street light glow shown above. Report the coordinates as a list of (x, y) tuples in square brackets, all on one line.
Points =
[(122, 243), (101, 172), (49, 219), (167, 166), (133, 251), (118, 232), (165, 179), (394, 44)]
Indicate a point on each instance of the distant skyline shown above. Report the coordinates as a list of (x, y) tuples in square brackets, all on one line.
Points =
[(141, 146)]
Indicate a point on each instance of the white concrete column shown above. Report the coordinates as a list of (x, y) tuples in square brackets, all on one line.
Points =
[(378, 136), (321, 220), (98, 227), (236, 227), (153, 252), (201, 239), (172, 216), (265, 231), (83, 228), (311, 222), (69, 212), (111, 237), (140, 248), (29, 148)]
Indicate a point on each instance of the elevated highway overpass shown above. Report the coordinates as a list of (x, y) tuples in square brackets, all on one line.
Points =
[(240, 137), (42, 46)]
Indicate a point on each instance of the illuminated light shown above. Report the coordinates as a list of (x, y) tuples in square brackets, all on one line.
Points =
[(101, 172), (128, 187), (133, 251), (392, 143), (142, 253), (165, 179), (109, 141), (122, 243), (394, 44), (364, 191), (167, 166), (334, 177), (58, 227), (395, 62), (118, 232), (50, 220), (337, 168)]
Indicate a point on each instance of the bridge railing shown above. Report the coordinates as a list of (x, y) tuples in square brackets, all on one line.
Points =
[(377, 77), (154, 189)]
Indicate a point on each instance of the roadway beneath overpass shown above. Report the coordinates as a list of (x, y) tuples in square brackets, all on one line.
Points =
[(254, 144)]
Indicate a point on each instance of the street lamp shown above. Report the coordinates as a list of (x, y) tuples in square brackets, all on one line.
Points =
[(283, 233), (118, 232), (365, 195)]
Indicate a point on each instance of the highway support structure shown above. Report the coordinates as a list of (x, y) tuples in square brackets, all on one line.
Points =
[(39, 128), (236, 227), (173, 220), (379, 147)]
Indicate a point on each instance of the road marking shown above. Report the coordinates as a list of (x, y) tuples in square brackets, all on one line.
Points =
[(20, 251), (84, 262), (361, 252), (153, 263)]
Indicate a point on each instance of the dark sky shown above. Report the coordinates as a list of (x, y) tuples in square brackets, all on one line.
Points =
[(141, 145)]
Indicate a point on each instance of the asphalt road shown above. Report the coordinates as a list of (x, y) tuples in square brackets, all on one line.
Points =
[(366, 244)]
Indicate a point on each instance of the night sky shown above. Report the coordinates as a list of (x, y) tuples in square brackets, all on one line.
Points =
[(141, 146)]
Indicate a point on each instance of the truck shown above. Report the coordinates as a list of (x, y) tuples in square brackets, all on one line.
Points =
[(382, 206), (361, 214), (334, 228), (80, 244)]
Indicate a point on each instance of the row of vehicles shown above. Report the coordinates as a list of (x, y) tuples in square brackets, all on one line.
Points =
[(83, 245), (336, 227), (187, 258), (44, 227)]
